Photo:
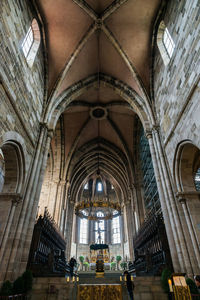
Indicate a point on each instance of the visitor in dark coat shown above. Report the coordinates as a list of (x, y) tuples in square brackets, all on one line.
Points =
[(72, 264), (129, 284)]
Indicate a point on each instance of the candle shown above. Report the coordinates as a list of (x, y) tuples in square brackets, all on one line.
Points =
[(73, 278), (170, 285), (120, 278), (125, 279), (68, 279), (131, 278), (77, 278)]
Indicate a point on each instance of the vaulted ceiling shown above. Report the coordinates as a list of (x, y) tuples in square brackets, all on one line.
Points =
[(90, 37)]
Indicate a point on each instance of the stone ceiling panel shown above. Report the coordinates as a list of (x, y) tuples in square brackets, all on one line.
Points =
[(132, 27), (112, 64), (66, 23), (99, 5), (84, 65), (103, 95)]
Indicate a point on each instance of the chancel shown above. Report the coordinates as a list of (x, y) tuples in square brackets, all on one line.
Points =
[(99, 147)]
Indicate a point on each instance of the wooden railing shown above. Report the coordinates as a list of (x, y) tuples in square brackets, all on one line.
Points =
[(151, 247), (47, 252)]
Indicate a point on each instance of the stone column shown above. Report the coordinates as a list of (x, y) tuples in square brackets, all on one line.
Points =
[(132, 195), (129, 227), (165, 209), (58, 203), (109, 231), (194, 244), (69, 223), (182, 251), (14, 200), (31, 216), (138, 200), (28, 212), (121, 224)]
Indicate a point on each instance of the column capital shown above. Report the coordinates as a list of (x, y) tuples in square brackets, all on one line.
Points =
[(156, 128), (182, 200), (16, 198), (50, 133), (148, 134), (62, 182), (187, 193)]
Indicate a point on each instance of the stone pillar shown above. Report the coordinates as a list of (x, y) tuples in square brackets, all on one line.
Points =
[(68, 228), (59, 201), (194, 245), (165, 209), (182, 251), (121, 223), (132, 195), (18, 262), (14, 200), (129, 227), (32, 214), (138, 202), (109, 231)]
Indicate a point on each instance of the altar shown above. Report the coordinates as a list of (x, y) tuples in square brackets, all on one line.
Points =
[(99, 251)]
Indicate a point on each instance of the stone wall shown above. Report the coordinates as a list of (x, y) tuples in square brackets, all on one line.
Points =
[(176, 96), (21, 105), (176, 86), (22, 87)]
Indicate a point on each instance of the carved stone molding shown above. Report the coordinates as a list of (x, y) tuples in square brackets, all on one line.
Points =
[(187, 193), (148, 134), (16, 198)]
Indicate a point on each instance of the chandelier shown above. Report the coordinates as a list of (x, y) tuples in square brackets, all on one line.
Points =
[(98, 206)]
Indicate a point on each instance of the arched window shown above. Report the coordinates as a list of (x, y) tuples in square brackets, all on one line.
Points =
[(165, 43), (99, 187), (31, 43), (86, 186), (83, 231), (197, 180), (116, 239), (99, 229), (2, 170)]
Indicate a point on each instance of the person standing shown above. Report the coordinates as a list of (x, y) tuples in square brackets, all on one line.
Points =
[(197, 282), (129, 284), (72, 263)]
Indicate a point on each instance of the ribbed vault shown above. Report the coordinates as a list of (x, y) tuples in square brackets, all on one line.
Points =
[(106, 157), (98, 57)]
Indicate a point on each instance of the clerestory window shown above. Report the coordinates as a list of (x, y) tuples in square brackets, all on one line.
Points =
[(116, 239), (31, 43), (197, 180), (83, 231), (165, 43), (168, 42), (99, 187), (86, 186)]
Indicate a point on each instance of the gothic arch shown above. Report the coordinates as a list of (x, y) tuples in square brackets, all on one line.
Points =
[(14, 152), (140, 106), (186, 163)]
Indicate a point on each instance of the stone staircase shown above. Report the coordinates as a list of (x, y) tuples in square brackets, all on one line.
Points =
[(56, 288)]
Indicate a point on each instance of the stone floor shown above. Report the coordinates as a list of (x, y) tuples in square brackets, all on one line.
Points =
[(54, 288)]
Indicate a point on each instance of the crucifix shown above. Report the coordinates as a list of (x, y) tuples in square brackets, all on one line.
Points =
[(99, 231)]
